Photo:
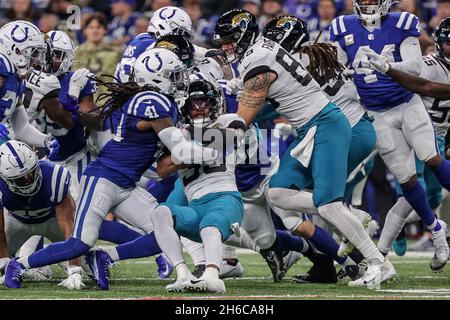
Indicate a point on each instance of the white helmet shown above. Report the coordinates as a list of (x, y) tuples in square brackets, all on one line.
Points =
[(63, 50), (372, 13), (19, 168), (22, 41), (170, 20), (162, 69)]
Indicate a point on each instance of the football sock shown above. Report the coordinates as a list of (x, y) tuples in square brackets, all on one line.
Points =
[(117, 232), (442, 172), (417, 198), (287, 242), (212, 242), (166, 236), (195, 250), (144, 246), (325, 243), (229, 252), (395, 220)]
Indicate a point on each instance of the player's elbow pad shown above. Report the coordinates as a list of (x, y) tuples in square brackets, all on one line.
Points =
[(183, 151)]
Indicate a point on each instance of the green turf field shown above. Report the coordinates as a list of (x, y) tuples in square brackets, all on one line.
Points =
[(136, 279)]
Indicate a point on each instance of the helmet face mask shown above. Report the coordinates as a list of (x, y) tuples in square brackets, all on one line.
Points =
[(441, 37), (203, 104), (371, 11), (62, 52), (19, 168), (25, 46), (235, 31), (27, 184)]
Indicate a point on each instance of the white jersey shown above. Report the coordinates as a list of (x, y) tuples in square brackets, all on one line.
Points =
[(436, 70), (343, 93), (201, 180), (40, 86), (295, 94)]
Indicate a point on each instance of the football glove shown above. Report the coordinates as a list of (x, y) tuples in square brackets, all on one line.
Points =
[(78, 81), (53, 146), (375, 61), (74, 279)]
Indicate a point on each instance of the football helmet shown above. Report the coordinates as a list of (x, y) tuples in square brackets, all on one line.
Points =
[(170, 20), (203, 105), (371, 11), (19, 168), (178, 44), (63, 50), (289, 31), (441, 36), (162, 69), (239, 28), (24, 45)]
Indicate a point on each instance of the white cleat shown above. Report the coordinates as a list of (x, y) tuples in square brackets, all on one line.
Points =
[(441, 254), (177, 286), (375, 275), (229, 271), (203, 285)]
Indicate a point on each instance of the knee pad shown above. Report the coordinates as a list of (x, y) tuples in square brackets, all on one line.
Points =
[(161, 215)]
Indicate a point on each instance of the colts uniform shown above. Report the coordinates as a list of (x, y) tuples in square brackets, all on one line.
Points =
[(136, 47), (213, 198), (29, 216), (12, 87), (298, 97), (74, 153), (109, 182), (400, 119)]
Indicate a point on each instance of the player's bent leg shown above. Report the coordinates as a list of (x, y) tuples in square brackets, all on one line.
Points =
[(197, 253)]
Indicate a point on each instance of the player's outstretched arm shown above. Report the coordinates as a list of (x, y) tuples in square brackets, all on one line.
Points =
[(166, 167), (57, 113), (254, 95), (420, 85)]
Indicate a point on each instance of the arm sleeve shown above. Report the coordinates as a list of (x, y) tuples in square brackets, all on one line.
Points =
[(411, 55), (24, 130), (342, 55)]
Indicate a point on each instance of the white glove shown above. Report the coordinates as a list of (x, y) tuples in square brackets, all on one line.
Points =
[(78, 81), (74, 280), (234, 86), (282, 130), (376, 62)]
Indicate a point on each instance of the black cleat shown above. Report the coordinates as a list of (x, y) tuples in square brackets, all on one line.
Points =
[(276, 264), (322, 271), (198, 270), (354, 272)]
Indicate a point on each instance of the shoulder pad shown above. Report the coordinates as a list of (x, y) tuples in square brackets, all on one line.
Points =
[(341, 25)]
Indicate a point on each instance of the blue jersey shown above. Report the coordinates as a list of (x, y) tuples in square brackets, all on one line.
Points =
[(130, 152), (12, 87), (41, 206), (71, 140), (377, 91), (136, 47)]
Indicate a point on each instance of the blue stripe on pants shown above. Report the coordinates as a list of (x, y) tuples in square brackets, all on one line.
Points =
[(86, 207)]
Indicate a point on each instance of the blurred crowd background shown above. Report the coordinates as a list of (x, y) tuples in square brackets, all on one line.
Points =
[(107, 26)]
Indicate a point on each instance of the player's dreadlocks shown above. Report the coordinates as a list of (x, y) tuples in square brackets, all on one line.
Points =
[(118, 94), (323, 63)]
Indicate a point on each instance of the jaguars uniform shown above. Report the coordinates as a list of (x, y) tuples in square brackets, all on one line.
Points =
[(211, 192), (109, 182), (26, 216), (299, 98), (74, 153), (400, 119)]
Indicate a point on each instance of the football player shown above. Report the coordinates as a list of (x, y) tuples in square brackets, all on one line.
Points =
[(436, 67), (22, 49), (35, 200), (143, 113), (401, 122), (270, 72)]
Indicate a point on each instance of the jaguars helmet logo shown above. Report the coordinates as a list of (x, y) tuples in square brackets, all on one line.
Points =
[(240, 20), (166, 45), (286, 23)]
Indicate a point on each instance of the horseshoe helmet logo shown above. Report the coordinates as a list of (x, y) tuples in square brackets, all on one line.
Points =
[(158, 68), (24, 31), (165, 16)]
